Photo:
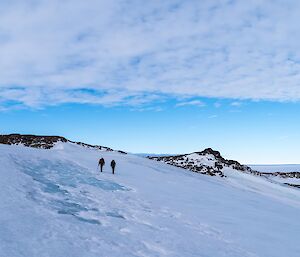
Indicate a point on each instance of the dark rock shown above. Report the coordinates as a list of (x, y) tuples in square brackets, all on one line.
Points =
[(292, 185), (44, 142)]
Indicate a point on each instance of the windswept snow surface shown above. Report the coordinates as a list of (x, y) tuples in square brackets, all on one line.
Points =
[(54, 203)]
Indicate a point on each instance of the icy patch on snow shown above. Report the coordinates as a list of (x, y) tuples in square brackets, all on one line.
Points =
[(54, 181)]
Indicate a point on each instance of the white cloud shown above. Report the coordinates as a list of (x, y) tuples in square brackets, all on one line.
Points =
[(125, 51), (236, 104), (191, 103)]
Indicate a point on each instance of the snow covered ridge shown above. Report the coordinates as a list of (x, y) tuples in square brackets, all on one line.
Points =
[(209, 162), (44, 142)]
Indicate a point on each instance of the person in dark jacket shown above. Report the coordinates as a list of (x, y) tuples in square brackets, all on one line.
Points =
[(113, 166), (101, 164)]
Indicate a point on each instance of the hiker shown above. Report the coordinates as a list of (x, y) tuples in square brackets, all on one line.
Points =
[(101, 164), (113, 165)]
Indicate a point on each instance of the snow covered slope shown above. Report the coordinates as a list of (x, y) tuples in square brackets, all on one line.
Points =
[(54, 203)]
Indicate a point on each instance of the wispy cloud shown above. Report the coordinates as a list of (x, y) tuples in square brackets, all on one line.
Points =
[(236, 104), (123, 52), (191, 103)]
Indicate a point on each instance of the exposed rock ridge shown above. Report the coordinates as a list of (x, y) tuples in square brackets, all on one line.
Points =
[(44, 142)]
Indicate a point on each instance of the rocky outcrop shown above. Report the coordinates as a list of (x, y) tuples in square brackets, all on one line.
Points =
[(99, 147), (293, 174), (292, 185), (224, 162), (209, 162), (43, 142)]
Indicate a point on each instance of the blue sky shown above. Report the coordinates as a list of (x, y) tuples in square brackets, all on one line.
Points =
[(155, 76), (252, 132)]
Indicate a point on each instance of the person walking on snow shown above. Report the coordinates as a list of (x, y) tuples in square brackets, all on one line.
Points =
[(101, 164), (113, 165)]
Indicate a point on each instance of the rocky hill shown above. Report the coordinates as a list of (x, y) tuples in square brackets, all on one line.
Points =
[(209, 162), (44, 142)]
